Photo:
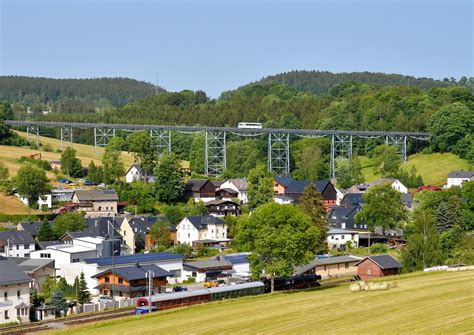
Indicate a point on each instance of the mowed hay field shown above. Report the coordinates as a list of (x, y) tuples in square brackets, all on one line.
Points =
[(433, 168), (434, 303)]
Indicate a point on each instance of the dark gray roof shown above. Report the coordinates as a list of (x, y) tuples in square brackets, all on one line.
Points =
[(461, 174), (100, 227), (339, 215), (219, 202), (353, 199), (31, 227), (407, 198), (136, 272), (150, 257), (195, 184), (200, 222), (96, 195), (11, 273), (241, 258), (142, 224), (298, 186), (207, 264), (31, 265), (16, 237), (384, 261), (217, 183)]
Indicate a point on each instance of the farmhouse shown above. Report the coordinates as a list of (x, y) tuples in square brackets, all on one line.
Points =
[(39, 270), (344, 218), (337, 238), (457, 178), (15, 290), (395, 183), (294, 188), (329, 267), (16, 244), (96, 203), (31, 227), (377, 266), (193, 229), (200, 190), (131, 281)]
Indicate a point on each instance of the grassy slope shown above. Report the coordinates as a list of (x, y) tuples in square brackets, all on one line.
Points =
[(10, 205), (434, 168), (436, 303)]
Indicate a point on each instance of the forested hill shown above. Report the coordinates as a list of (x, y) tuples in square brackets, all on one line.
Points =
[(36, 92), (321, 82)]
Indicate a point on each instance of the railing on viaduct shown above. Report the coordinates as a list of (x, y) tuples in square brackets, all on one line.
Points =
[(215, 140)]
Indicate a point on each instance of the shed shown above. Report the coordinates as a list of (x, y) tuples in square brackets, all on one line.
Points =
[(377, 266)]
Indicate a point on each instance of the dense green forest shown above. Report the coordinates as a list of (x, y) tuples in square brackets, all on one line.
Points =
[(71, 95), (321, 82), (446, 112)]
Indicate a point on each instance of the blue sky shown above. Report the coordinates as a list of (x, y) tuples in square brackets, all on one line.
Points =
[(220, 45)]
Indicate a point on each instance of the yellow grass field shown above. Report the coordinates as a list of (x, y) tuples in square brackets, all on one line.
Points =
[(434, 303), (10, 205)]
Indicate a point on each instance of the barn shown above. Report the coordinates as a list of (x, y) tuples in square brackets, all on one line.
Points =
[(377, 266)]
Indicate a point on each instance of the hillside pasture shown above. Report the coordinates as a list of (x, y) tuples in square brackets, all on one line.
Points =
[(433, 303)]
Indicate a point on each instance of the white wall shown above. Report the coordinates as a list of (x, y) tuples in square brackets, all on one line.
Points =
[(397, 185), (200, 277), (13, 300), (133, 175), (242, 195), (186, 232), (19, 250), (340, 240), (61, 257), (457, 181)]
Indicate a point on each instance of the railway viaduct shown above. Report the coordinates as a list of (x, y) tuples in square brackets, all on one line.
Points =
[(215, 140)]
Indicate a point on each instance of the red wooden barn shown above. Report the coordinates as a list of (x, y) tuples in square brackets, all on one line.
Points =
[(377, 266)]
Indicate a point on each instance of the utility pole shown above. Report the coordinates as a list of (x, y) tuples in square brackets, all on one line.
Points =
[(113, 259)]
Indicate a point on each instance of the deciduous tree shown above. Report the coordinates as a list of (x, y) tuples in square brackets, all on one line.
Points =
[(311, 202), (111, 162), (280, 237), (169, 179), (141, 145), (70, 164), (31, 182), (261, 186)]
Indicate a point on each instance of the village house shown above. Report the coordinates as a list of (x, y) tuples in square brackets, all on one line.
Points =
[(200, 190), (194, 229), (14, 292), (55, 165), (240, 185), (135, 227), (377, 266), (240, 264), (287, 186), (44, 201), (222, 208), (337, 239), (173, 263), (457, 178), (330, 267), (96, 203), (131, 281), (344, 218), (39, 270), (16, 244), (204, 270), (395, 183), (31, 227), (136, 173), (226, 194), (283, 200)]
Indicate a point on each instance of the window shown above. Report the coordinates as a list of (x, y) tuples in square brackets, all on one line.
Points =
[(6, 315), (325, 268), (342, 237), (100, 208), (5, 295), (194, 274), (346, 265), (369, 271), (107, 279), (120, 281), (75, 260), (18, 294), (26, 246), (18, 312), (17, 247)]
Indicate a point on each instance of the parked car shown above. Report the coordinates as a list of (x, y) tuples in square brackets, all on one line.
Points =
[(88, 183), (64, 181), (179, 289), (105, 298)]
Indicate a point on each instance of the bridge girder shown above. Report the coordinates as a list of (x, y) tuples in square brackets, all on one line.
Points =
[(279, 153), (215, 153)]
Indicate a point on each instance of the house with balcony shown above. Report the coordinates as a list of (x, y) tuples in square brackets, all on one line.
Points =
[(239, 185), (200, 190), (222, 208), (14, 292), (205, 230), (131, 281), (96, 203)]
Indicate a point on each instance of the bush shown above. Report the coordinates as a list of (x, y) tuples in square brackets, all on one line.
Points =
[(190, 280), (378, 248), (48, 148)]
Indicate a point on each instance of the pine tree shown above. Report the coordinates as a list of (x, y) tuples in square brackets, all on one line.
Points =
[(443, 219), (58, 301), (83, 294), (45, 233), (311, 202), (454, 210)]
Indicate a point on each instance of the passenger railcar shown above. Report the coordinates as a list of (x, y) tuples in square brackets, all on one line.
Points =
[(293, 283), (249, 125)]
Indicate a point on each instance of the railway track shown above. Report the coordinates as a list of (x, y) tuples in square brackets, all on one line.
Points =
[(74, 320), (36, 327)]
